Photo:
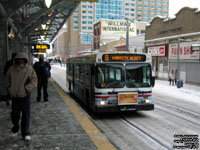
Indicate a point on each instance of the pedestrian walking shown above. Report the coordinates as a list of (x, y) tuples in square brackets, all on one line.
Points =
[(42, 69), (171, 77), (22, 80)]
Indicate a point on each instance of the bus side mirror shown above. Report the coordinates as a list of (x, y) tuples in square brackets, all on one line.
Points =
[(153, 81)]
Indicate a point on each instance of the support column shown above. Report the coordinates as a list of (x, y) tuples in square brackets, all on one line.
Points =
[(4, 54)]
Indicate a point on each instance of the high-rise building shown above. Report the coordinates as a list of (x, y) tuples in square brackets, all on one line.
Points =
[(80, 24)]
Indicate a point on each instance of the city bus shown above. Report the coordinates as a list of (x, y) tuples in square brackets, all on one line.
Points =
[(112, 81)]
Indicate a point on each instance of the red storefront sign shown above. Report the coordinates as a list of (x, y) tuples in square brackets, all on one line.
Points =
[(157, 50)]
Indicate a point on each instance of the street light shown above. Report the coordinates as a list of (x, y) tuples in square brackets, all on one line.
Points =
[(178, 56), (127, 29)]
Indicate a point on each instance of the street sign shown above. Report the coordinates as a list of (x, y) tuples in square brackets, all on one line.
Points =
[(40, 46), (195, 47)]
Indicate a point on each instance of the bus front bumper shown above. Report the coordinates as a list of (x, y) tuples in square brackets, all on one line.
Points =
[(138, 107)]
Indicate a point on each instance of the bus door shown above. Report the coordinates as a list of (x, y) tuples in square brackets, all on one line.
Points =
[(91, 84)]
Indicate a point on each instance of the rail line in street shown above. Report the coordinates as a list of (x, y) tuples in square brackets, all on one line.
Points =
[(152, 136), (171, 109)]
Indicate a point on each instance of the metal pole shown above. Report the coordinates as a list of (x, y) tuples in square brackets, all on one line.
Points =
[(178, 55), (91, 42), (127, 35)]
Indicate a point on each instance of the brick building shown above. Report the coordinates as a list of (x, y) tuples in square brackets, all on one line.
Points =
[(162, 38)]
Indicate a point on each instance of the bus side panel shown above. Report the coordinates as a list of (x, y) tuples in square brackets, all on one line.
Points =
[(91, 88)]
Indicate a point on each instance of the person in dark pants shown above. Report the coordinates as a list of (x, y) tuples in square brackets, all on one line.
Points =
[(22, 80), (40, 69)]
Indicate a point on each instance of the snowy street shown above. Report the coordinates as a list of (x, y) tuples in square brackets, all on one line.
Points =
[(176, 114)]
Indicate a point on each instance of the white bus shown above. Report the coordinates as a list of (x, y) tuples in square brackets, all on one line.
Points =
[(112, 81)]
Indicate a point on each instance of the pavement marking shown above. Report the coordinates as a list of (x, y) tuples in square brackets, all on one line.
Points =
[(93, 132)]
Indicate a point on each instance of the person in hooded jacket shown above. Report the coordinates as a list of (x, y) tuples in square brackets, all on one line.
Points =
[(22, 79)]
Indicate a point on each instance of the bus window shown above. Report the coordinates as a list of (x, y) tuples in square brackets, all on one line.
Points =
[(110, 76), (138, 75)]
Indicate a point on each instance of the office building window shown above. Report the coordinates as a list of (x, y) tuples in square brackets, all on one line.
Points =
[(84, 28), (89, 17), (139, 6), (75, 28), (133, 5), (86, 39), (75, 12), (165, 13), (84, 6), (152, 7), (89, 6), (165, 8), (132, 9), (165, 3), (89, 28), (127, 9), (84, 12), (84, 22), (145, 11), (146, 1), (152, 2), (159, 7), (75, 17), (89, 22), (75, 22), (84, 17), (159, 2)]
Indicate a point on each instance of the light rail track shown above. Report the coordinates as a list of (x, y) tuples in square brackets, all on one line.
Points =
[(144, 131), (182, 112)]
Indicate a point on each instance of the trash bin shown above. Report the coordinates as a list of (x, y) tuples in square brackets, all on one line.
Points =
[(179, 83)]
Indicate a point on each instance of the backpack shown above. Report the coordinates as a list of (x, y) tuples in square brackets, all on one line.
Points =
[(47, 71)]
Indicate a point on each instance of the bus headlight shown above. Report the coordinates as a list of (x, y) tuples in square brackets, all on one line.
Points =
[(147, 101), (102, 103)]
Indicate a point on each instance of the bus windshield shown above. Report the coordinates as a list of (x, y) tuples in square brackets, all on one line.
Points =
[(110, 76), (138, 75)]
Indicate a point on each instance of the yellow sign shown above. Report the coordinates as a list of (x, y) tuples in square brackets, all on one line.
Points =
[(87, 0), (127, 98), (40, 46), (125, 57)]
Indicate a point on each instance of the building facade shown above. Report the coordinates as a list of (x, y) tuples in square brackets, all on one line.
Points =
[(162, 39), (79, 29)]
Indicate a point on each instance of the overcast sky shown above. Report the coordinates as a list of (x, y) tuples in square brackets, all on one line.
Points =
[(176, 5)]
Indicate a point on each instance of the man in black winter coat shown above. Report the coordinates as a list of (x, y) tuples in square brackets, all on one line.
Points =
[(40, 69)]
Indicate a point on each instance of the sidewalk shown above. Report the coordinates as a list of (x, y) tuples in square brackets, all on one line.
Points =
[(187, 92), (52, 126)]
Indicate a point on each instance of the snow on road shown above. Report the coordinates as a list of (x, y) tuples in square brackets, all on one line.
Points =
[(187, 92)]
